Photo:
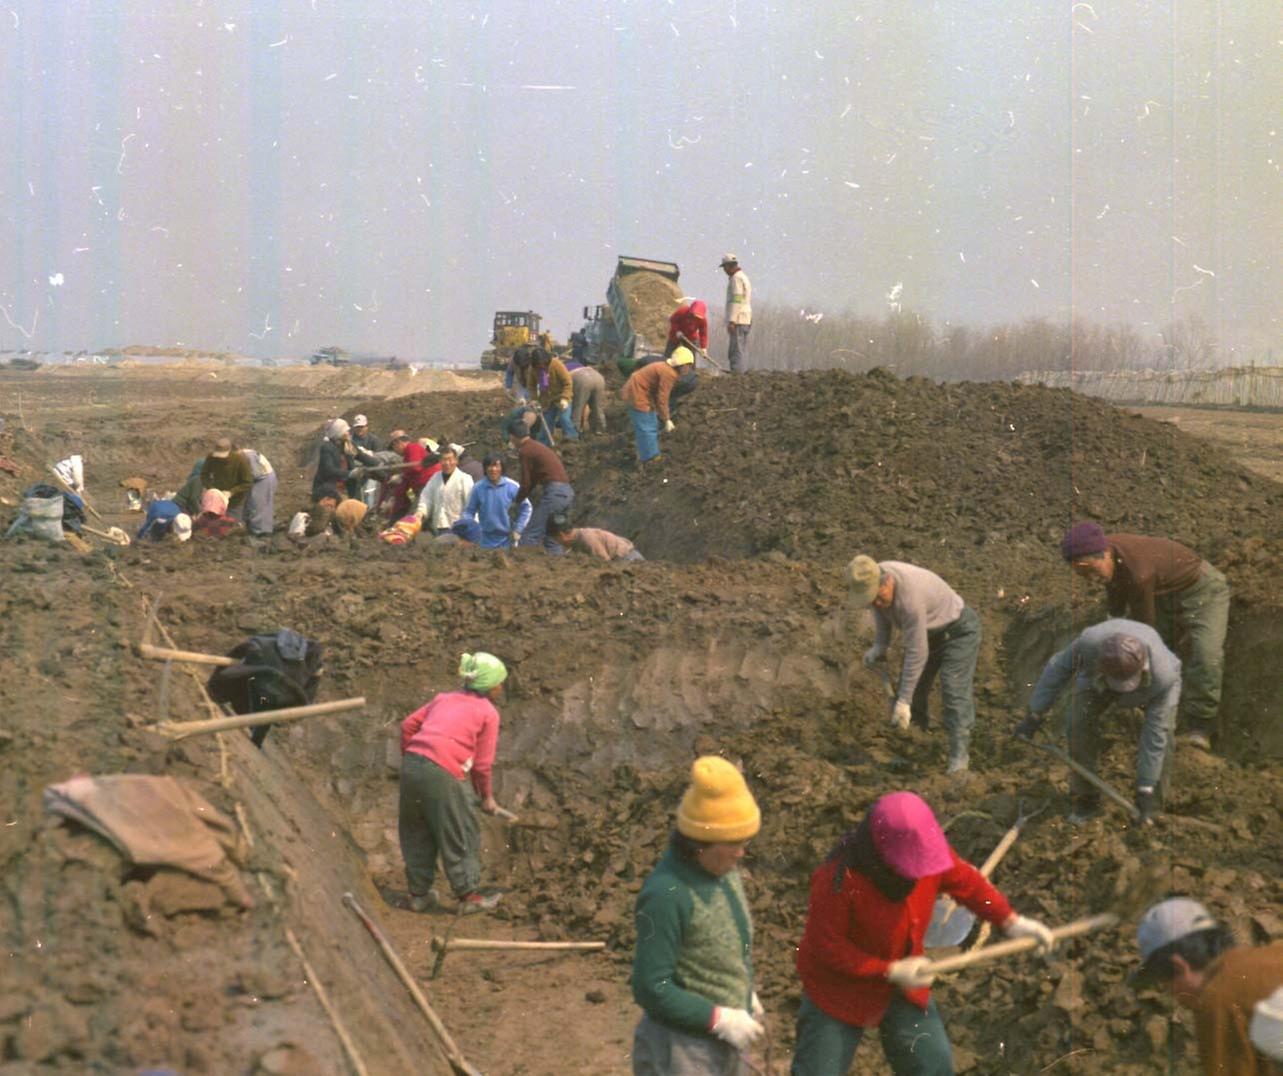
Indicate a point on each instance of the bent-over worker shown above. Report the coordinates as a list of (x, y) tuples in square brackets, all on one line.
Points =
[(860, 960), (542, 469), (647, 392), (588, 404), (941, 637), (690, 320), (1114, 663), (1175, 591), (591, 540), (446, 745), (693, 967), (548, 381), (1183, 946), (229, 471)]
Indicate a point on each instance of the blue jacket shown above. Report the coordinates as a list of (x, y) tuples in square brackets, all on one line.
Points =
[(488, 505), (159, 512), (1159, 691)]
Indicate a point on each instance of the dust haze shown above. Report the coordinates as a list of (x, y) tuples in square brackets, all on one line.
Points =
[(269, 183)]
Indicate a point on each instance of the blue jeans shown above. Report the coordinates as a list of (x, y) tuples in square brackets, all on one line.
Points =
[(555, 416), (646, 433), (915, 1043), (556, 497), (951, 654), (737, 347)]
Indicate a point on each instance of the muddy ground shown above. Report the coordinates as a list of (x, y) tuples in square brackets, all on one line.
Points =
[(732, 637)]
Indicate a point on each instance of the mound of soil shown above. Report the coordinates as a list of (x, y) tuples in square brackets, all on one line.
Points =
[(651, 300)]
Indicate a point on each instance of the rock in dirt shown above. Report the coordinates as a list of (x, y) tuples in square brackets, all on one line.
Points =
[(288, 1059)]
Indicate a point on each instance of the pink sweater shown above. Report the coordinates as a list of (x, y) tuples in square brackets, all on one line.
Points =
[(459, 731)]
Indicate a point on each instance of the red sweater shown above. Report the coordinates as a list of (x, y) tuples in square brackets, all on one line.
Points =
[(853, 936), (691, 320), (459, 731), (417, 477)]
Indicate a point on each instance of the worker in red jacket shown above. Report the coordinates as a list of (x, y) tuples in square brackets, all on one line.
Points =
[(401, 494), (861, 961), (690, 320)]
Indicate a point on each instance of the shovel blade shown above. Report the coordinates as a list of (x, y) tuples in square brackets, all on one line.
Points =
[(950, 925)]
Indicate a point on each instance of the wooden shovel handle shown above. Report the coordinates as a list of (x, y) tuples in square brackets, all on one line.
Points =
[(1020, 945), (1004, 846)]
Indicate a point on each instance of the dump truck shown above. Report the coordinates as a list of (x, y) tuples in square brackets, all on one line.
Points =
[(513, 329), (639, 299)]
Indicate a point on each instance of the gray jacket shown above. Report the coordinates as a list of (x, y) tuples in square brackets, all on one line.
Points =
[(923, 602), (1159, 691)]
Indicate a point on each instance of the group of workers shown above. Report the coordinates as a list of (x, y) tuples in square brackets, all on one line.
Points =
[(1163, 600)]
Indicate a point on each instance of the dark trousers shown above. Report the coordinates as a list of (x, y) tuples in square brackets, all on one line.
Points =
[(951, 655), (436, 818), (915, 1043), (556, 497)]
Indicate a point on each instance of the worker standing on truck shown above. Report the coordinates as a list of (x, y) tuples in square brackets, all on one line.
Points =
[(1115, 662), (693, 967), (548, 381), (861, 961), (739, 312), (1175, 591), (445, 745), (688, 321), (647, 393), (941, 637)]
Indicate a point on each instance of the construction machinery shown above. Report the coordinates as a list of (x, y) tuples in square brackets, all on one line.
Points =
[(513, 329), (634, 319)]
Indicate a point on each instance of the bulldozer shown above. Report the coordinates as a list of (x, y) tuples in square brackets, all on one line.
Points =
[(513, 329)]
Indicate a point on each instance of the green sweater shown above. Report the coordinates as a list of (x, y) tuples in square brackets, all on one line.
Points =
[(694, 945), (232, 475)]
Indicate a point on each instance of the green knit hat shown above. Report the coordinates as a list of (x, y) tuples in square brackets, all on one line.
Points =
[(481, 672)]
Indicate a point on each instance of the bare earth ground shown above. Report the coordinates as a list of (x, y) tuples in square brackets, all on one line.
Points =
[(1253, 437), (732, 637)]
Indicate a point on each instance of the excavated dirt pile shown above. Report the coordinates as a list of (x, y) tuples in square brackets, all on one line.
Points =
[(732, 637)]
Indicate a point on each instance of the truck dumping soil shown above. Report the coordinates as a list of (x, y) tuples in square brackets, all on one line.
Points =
[(651, 299), (732, 637)]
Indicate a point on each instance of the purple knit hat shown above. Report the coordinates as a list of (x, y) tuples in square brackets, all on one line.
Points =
[(1083, 540)]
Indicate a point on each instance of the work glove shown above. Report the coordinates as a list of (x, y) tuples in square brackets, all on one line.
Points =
[(669, 427), (911, 973), (1020, 926), (356, 472), (901, 715), (1028, 728), (1146, 804), (736, 1027), (564, 405), (755, 1007), (873, 655)]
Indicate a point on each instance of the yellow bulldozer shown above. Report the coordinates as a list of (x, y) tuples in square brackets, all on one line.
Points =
[(513, 329)]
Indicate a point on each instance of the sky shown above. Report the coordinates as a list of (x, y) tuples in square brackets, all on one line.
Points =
[(273, 177)]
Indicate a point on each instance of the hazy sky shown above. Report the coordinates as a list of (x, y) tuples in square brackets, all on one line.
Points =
[(271, 178)]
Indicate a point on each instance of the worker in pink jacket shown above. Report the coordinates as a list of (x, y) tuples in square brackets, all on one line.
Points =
[(445, 746)]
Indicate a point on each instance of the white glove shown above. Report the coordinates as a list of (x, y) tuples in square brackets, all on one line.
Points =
[(1021, 926), (910, 973), (564, 405), (901, 715), (669, 427), (736, 1027), (755, 1007), (873, 655)]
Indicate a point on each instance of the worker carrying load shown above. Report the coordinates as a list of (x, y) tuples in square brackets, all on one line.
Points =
[(1177, 593), (693, 967), (941, 638), (688, 325), (647, 392), (1119, 663), (860, 960), (446, 745)]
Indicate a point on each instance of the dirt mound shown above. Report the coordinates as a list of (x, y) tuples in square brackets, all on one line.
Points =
[(651, 300)]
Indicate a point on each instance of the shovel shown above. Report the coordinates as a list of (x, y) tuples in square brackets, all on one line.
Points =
[(111, 534), (1087, 776), (951, 923)]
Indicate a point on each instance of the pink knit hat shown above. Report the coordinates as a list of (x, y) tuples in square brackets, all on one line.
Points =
[(908, 837)]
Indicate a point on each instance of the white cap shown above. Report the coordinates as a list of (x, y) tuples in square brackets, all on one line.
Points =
[(1266, 1028), (1170, 921), (181, 528), (360, 420), (729, 259)]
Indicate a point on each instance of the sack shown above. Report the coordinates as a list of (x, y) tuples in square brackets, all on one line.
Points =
[(272, 672), (41, 517), (73, 509)]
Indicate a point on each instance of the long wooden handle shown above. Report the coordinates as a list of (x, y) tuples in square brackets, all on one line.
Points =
[(1004, 846), (500, 943), (1089, 777), (1020, 945), (179, 730), (452, 1048), (164, 653)]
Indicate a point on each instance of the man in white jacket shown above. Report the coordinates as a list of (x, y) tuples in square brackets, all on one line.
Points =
[(442, 501), (739, 312)]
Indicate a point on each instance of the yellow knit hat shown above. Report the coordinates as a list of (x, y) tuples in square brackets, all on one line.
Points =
[(718, 807), (863, 576)]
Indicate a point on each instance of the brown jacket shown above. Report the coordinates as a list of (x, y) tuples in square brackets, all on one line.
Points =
[(649, 388), (539, 466), (1148, 568), (559, 387), (1235, 982)]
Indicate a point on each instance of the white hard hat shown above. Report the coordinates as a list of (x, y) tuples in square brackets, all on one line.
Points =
[(360, 420), (729, 259)]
